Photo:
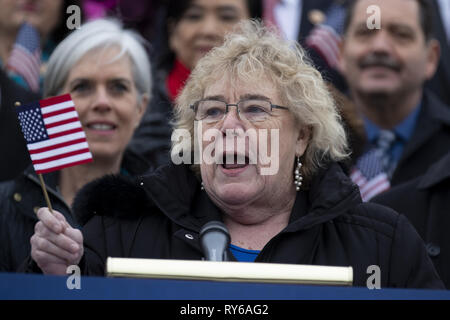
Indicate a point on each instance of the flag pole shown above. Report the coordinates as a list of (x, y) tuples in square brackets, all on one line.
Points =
[(41, 179), (47, 199)]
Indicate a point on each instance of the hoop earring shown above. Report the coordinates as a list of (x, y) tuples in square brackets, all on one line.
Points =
[(298, 175)]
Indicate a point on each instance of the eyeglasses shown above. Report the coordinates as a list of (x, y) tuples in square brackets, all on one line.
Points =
[(253, 110)]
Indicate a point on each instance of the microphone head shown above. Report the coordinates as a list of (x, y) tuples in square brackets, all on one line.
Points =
[(214, 239), (214, 225)]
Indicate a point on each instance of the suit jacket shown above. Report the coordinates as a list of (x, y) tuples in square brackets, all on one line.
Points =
[(15, 157), (152, 139), (430, 140), (426, 203), (306, 26), (440, 83)]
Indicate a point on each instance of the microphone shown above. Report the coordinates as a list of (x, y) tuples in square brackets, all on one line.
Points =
[(215, 239)]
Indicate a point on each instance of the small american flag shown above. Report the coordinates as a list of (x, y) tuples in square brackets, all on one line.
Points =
[(55, 138), (25, 58), (325, 37), (369, 175), (325, 40)]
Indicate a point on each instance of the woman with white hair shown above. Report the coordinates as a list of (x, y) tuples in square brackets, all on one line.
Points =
[(106, 71), (293, 204)]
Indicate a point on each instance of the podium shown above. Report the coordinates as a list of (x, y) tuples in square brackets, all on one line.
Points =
[(31, 287)]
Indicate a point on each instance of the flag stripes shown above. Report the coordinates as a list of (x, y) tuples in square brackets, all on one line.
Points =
[(61, 156), (59, 123), (63, 163), (62, 134), (370, 187), (57, 142), (63, 150), (63, 129)]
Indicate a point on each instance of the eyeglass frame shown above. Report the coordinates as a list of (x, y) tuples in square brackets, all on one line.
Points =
[(193, 106)]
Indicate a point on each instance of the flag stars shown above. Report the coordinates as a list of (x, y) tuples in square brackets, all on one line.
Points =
[(32, 125)]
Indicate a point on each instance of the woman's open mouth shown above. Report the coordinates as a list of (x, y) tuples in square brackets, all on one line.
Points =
[(234, 164)]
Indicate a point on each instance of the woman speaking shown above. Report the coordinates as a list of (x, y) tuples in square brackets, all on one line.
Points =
[(306, 212)]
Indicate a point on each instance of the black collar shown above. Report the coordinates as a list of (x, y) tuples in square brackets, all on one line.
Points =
[(433, 116), (175, 190), (436, 174)]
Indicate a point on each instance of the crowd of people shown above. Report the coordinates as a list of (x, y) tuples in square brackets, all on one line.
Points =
[(360, 115)]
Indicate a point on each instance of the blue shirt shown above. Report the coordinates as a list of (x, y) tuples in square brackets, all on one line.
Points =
[(403, 131), (243, 255)]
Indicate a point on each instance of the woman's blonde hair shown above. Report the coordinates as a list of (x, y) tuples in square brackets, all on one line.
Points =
[(254, 52)]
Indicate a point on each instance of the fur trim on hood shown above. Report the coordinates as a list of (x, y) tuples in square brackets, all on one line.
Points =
[(113, 193)]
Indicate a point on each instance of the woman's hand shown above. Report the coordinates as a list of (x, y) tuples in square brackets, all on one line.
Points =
[(55, 245)]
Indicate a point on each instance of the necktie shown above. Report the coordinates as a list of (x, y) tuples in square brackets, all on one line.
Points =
[(384, 143), (374, 169)]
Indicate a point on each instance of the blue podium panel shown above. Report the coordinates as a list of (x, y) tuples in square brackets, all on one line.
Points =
[(30, 286)]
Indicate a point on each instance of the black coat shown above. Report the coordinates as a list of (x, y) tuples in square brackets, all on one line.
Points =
[(440, 83), (426, 202), (330, 74), (14, 154), (429, 143), (160, 215), (152, 138), (21, 198)]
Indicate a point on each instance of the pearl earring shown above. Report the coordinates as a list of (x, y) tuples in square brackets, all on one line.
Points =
[(202, 187), (298, 176)]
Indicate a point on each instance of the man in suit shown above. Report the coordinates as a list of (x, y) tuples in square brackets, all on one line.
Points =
[(386, 67)]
